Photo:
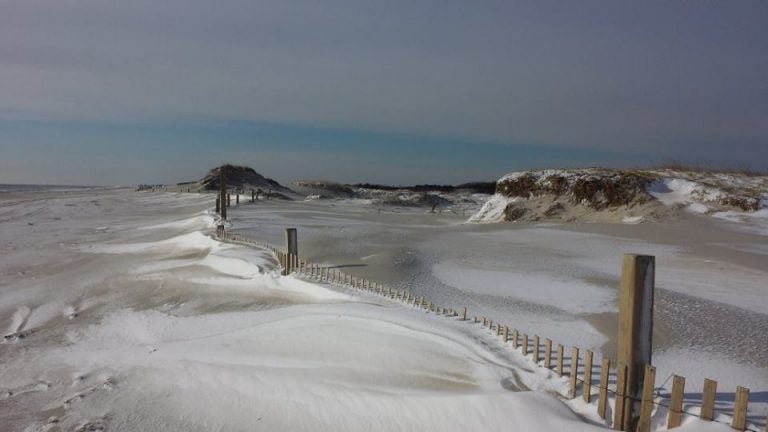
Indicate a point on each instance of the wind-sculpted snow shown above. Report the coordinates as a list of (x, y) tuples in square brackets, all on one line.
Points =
[(135, 319)]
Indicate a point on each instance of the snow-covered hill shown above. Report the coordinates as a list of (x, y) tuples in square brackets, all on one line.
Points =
[(460, 199), (628, 196)]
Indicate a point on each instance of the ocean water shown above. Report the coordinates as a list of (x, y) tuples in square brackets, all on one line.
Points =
[(15, 188)]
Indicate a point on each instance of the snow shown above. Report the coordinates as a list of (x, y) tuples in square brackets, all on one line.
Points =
[(172, 330), (672, 191), (151, 324), (753, 222), (632, 220), (299, 368), (492, 210), (568, 294), (194, 241)]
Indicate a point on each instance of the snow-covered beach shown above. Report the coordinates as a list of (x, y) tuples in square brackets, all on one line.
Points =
[(121, 312)]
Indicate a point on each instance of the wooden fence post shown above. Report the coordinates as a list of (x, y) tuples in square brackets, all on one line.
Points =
[(574, 373), (223, 191), (218, 205), (514, 338), (291, 243), (708, 400), (548, 353), (602, 396), (525, 344), (646, 405), (675, 417), (634, 343), (586, 389), (559, 366), (621, 391), (505, 334), (536, 349), (464, 313), (740, 409)]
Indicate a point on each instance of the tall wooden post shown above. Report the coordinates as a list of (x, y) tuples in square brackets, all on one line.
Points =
[(223, 191), (237, 197), (253, 195), (229, 199), (218, 205), (635, 331)]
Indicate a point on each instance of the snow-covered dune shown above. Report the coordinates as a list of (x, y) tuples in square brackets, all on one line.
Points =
[(628, 196)]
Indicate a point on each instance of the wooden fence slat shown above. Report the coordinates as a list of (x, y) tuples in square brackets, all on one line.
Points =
[(739, 422), (602, 396), (708, 400), (559, 366), (536, 349), (574, 373), (548, 353), (586, 389), (675, 417), (646, 405), (621, 399)]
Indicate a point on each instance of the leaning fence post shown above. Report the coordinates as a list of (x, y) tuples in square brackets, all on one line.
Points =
[(740, 409), (602, 397), (559, 366), (586, 389), (574, 373), (646, 405), (708, 400)]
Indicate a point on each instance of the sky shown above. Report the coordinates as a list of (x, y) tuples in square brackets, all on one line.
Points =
[(141, 91)]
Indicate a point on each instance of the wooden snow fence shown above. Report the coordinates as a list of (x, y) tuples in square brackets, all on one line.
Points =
[(578, 377)]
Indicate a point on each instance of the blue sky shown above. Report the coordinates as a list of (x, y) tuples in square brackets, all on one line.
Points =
[(107, 92)]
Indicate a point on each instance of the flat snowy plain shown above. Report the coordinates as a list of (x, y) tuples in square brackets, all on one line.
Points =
[(122, 313)]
